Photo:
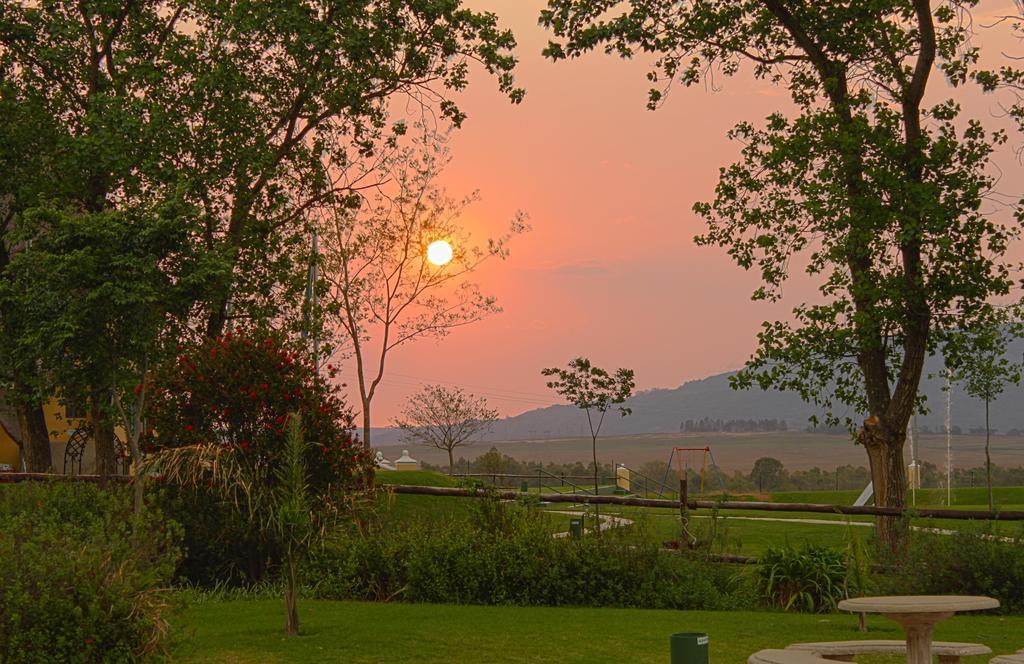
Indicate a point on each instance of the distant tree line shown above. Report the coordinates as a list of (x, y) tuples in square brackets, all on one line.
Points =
[(709, 425), (924, 430)]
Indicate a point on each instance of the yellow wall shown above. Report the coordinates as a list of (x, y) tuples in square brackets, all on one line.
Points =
[(8, 450), (60, 430)]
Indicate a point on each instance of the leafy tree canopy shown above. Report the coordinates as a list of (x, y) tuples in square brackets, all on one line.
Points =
[(873, 188)]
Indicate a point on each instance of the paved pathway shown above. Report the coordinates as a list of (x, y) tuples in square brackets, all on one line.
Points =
[(615, 521)]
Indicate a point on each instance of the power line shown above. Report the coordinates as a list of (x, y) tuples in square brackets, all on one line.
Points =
[(349, 378)]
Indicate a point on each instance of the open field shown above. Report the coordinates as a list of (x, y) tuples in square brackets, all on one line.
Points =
[(732, 451), (249, 631)]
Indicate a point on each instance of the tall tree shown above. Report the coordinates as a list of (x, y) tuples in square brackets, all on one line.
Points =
[(445, 418), (595, 391), (875, 191), (101, 297), (243, 114), (767, 472), (981, 364), (383, 291), (25, 138), (286, 96)]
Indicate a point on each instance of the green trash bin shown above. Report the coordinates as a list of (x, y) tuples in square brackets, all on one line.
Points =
[(576, 527), (689, 648), (524, 486)]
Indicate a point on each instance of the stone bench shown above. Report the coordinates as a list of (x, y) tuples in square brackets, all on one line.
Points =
[(948, 652), (785, 657), (1009, 659)]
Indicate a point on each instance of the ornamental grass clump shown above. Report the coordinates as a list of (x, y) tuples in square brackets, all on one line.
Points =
[(811, 579)]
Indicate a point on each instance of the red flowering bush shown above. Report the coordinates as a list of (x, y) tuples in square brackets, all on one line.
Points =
[(238, 390)]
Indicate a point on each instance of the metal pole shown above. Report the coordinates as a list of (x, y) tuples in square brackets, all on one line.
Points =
[(913, 466), (312, 303), (683, 518), (949, 439)]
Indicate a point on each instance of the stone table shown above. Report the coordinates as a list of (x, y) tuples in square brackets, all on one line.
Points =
[(918, 615)]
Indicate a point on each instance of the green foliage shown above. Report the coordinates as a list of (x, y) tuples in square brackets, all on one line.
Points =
[(980, 362), (594, 391), (220, 546), (592, 388), (179, 101), (864, 178), (973, 561), (879, 190), (83, 579), (292, 517), (505, 554), (220, 414), (811, 578)]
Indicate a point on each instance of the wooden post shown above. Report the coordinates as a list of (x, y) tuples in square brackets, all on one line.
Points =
[(683, 519)]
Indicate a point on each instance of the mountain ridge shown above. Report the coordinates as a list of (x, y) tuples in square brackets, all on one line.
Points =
[(662, 410)]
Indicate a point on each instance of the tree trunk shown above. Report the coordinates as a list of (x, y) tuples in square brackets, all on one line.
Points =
[(366, 423), (291, 626), (597, 509), (102, 432), (988, 462), (35, 438), (888, 479), (451, 462)]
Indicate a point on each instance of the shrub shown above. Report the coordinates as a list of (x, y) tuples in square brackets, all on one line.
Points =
[(973, 561), (505, 554), (228, 401), (82, 579), (810, 579), (219, 547), (237, 391)]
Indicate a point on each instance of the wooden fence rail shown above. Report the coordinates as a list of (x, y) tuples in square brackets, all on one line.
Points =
[(865, 510), (11, 478)]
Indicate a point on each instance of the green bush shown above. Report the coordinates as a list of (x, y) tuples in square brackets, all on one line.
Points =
[(82, 579), (505, 554), (219, 546), (970, 562), (812, 578)]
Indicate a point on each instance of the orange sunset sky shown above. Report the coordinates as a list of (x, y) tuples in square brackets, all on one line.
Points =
[(610, 270)]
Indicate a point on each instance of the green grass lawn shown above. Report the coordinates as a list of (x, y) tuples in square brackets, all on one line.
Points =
[(745, 532), (415, 477), (1006, 497), (249, 631), (750, 532)]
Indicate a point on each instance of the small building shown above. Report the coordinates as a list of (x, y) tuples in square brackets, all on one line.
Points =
[(61, 421), (406, 462)]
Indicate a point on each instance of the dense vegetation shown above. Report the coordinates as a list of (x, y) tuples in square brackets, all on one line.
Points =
[(83, 579), (503, 553)]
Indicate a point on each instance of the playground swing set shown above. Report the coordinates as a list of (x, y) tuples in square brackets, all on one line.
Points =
[(682, 457)]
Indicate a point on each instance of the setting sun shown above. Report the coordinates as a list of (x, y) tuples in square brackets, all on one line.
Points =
[(439, 252)]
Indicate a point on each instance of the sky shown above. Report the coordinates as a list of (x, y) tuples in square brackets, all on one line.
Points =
[(609, 270)]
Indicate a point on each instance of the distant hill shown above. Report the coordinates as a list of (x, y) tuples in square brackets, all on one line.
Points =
[(663, 410)]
